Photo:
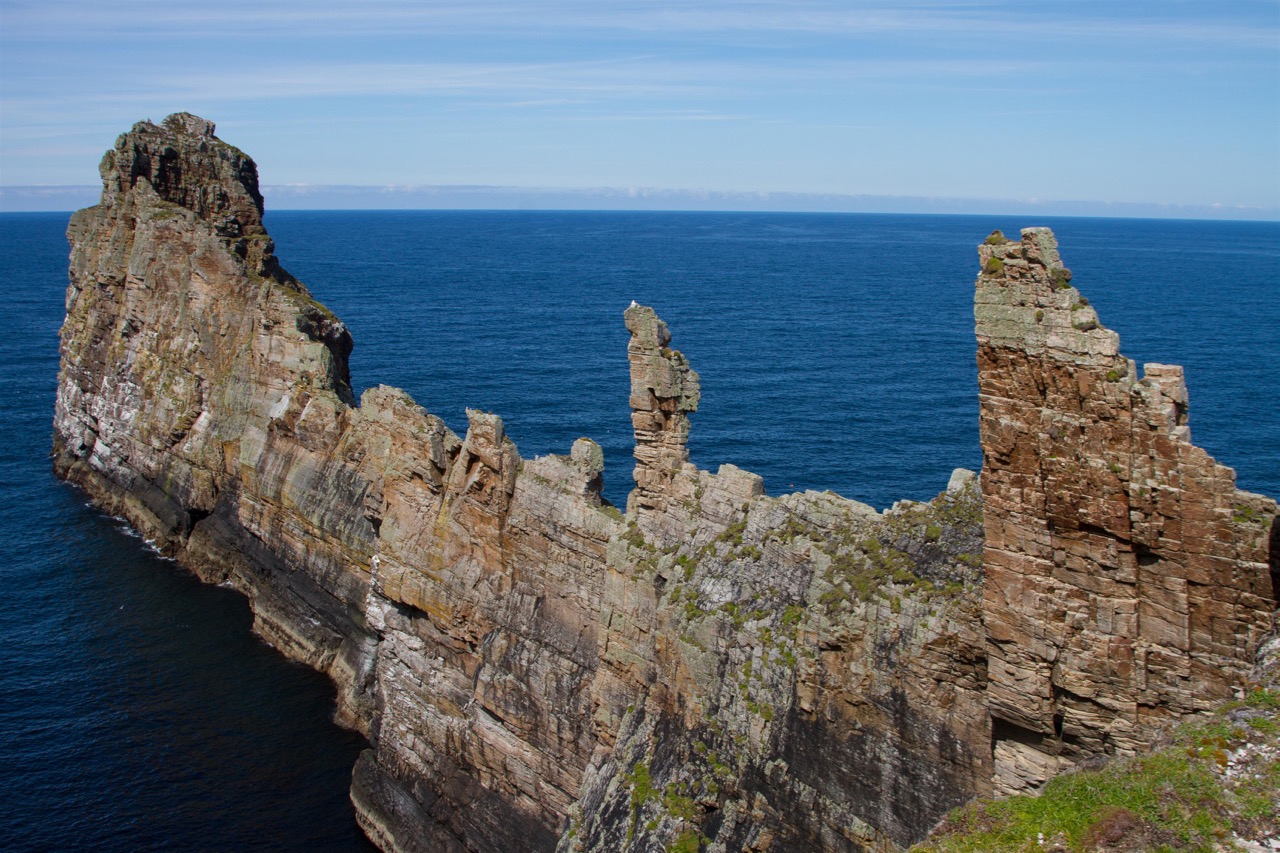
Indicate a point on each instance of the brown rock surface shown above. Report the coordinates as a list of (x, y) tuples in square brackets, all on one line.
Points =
[(203, 391), (1127, 580), (717, 667)]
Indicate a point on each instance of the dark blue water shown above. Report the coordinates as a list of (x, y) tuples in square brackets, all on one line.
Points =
[(836, 352), (137, 712)]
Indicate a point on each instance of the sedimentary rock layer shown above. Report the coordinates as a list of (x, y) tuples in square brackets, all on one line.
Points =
[(1128, 582), (536, 669), (202, 392)]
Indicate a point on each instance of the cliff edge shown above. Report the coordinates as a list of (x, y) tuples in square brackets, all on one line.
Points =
[(712, 669)]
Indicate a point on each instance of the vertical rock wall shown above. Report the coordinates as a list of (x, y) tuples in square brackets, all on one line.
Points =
[(1127, 580), (487, 584), (787, 674)]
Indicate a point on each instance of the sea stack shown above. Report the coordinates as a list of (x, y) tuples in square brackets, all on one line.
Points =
[(712, 668)]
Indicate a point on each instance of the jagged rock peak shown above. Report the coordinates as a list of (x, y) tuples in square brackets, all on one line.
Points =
[(183, 163), (664, 390), (192, 125), (1025, 300)]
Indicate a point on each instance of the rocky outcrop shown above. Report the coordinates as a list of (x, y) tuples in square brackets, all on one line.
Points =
[(203, 392), (715, 668), (1128, 582)]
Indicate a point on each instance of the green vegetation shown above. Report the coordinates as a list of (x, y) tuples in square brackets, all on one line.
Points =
[(675, 801), (920, 551), (993, 266), (165, 211), (1245, 514), (733, 533), (996, 238), (634, 537), (1060, 277), (642, 792), (688, 841), (1217, 777)]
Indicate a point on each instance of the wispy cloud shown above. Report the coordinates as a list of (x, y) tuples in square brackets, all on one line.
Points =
[(249, 19), (856, 93), (543, 85)]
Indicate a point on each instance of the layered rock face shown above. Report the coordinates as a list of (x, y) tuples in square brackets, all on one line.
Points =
[(1128, 581), (714, 668), (203, 390)]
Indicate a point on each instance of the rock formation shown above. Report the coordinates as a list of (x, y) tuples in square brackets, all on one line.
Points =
[(203, 391), (714, 668), (1127, 581)]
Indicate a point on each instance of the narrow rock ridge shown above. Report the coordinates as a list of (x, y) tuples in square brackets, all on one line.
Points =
[(536, 670), (1128, 582)]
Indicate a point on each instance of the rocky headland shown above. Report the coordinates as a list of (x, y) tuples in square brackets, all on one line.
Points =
[(712, 668)]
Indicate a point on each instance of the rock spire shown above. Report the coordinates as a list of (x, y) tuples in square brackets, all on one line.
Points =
[(664, 392)]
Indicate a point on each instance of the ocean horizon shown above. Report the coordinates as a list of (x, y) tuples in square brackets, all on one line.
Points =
[(426, 198)]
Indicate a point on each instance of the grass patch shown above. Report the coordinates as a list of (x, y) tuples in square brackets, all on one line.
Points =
[(1167, 790), (1217, 776), (642, 792)]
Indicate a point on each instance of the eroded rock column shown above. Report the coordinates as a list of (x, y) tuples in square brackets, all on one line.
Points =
[(664, 390), (1127, 580)]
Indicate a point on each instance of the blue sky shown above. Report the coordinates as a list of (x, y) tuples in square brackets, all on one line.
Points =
[(1164, 103)]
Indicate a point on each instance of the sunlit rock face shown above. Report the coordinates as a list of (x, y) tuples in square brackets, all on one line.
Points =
[(203, 394), (1127, 579), (714, 667)]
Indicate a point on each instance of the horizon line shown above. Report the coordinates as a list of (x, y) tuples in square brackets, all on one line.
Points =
[(373, 197)]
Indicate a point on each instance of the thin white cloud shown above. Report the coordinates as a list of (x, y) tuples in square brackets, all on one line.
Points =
[(252, 19), (940, 80), (529, 84)]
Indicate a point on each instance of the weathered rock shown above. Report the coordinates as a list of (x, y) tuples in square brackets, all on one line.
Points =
[(715, 667), (1127, 580), (664, 391), (203, 392)]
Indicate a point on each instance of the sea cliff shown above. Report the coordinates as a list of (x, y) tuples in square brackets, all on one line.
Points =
[(712, 668)]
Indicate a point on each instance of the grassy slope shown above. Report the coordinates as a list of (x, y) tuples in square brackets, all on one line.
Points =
[(1214, 786)]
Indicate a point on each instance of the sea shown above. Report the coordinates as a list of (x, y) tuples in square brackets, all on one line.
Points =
[(836, 352)]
